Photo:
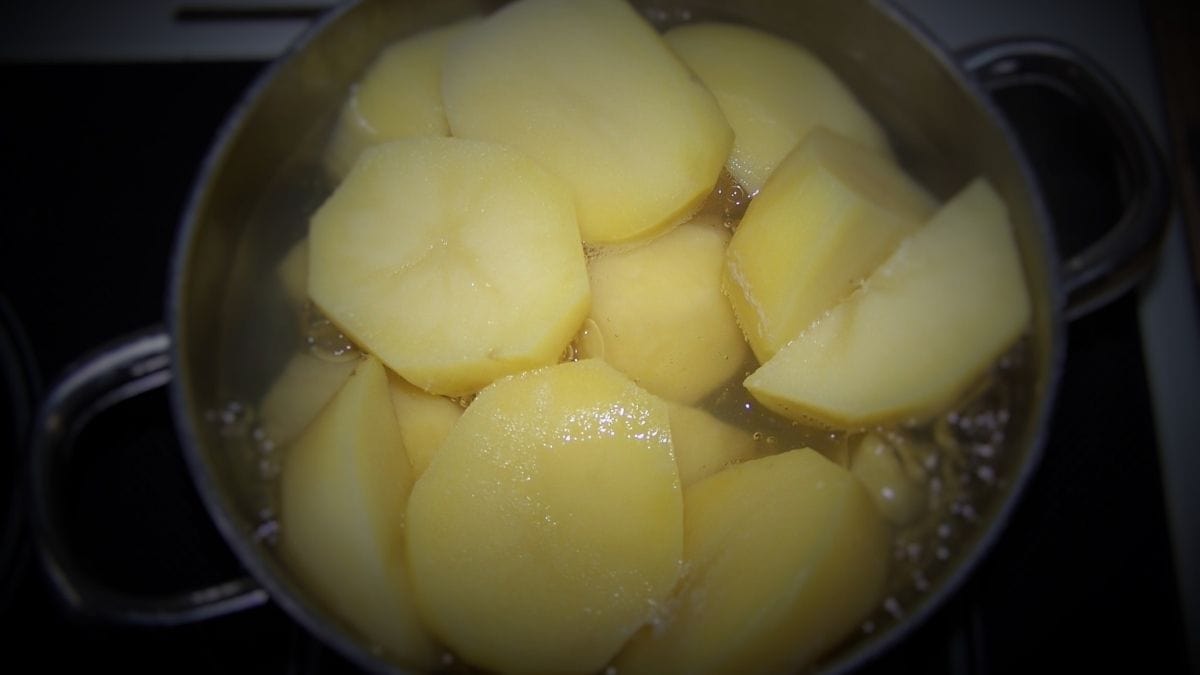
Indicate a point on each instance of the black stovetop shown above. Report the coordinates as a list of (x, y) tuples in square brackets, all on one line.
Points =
[(97, 161)]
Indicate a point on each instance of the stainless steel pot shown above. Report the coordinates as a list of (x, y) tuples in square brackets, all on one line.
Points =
[(261, 180)]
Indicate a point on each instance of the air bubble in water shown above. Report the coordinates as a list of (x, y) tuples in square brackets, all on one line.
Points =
[(667, 18), (892, 606), (325, 340), (233, 420), (269, 468), (968, 513), (727, 200), (914, 551), (267, 532), (232, 413), (570, 353), (920, 582)]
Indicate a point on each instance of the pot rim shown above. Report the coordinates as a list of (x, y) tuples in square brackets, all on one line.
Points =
[(220, 507), (332, 631)]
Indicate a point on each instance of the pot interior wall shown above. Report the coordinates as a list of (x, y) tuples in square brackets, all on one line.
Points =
[(233, 332)]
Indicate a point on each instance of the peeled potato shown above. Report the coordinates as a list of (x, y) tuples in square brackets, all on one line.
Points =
[(298, 394), (399, 96), (704, 444), (784, 555), (424, 421), (292, 273), (899, 495), (453, 261), (921, 330), (772, 91), (661, 315), (343, 491), (549, 524), (829, 215), (589, 89)]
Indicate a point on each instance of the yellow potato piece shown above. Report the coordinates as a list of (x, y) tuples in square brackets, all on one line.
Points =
[(829, 215), (772, 91), (661, 315), (292, 273), (399, 96), (921, 330), (424, 421), (342, 499), (454, 261), (549, 526), (785, 555), (590, 90), (298, 394), (900, 496), (704, 444)]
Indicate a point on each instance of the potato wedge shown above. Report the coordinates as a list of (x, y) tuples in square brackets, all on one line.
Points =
[(589, 89), (454, 261), (400, 95), (918, 333), (704, 444), (304, 386), (773, 92), (343, 491), (292, 273), (661, 315), (785, 555), (831, 212), (424, 421), (900, 496), (549, 525)]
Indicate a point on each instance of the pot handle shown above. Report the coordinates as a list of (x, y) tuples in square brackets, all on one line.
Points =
[(1114, 263), (114, 373)]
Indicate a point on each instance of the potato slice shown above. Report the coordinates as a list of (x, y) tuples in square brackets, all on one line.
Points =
[(399, 96), (453, 261), (921, 330), (342, 499), (829, 215), (785, 555), (424, 421), (704, 444), (549, 525), (661, 315), (304, 386), (772, 91), (589, 89)]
